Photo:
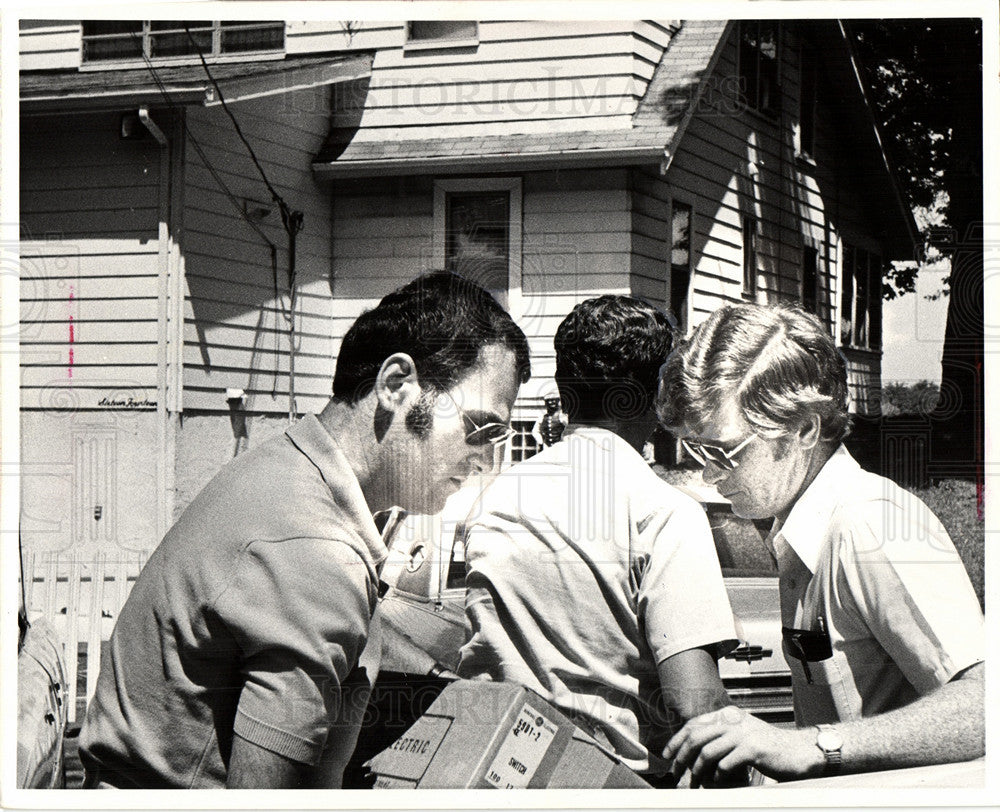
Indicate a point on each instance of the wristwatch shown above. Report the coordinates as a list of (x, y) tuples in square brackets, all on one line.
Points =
[(829, 742)]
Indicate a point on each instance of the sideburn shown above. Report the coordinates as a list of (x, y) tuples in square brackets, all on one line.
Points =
[(420, 418)]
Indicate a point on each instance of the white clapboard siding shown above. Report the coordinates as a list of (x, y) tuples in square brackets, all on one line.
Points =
[(310, 36), (231, 316), (795, 203), (575, 244), (521, 76), (650, 201), (577, 241), (89, 262), (49, 44), (710, 172), (398, 214)]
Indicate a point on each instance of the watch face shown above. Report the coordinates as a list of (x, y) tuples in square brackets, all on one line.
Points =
[(829, 740)]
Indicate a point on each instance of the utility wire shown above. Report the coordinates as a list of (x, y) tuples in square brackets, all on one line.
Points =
[(237, 204), (234, 201), (292, 221)]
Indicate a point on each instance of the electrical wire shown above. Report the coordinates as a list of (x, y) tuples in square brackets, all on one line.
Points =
[(292, 221), (237, 204)]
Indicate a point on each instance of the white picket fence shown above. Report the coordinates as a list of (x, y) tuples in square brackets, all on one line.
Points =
[(81, 596)]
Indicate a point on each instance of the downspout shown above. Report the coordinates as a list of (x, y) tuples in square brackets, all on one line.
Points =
[(162, 325)]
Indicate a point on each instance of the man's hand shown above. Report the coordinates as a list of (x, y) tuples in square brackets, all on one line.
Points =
[(718, 746)]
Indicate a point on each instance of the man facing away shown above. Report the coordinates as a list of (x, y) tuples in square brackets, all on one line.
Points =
[(235, 660), (590, 580), (882, 630)]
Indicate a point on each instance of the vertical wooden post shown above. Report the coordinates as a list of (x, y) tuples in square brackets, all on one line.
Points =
[(73, 630)]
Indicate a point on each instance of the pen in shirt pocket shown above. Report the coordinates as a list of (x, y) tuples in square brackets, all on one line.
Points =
[(808, 645)]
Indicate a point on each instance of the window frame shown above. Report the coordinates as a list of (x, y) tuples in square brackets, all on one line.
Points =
[(684, 319), (216, 55), (748, 230), (514, 187), (411, 44), (810, 248), (752, 101), (808, 96), (870, 291)]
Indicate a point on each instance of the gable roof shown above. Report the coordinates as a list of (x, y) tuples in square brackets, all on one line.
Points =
[(658, 122)]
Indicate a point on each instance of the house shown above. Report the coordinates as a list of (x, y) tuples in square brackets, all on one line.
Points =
[(198, 233)]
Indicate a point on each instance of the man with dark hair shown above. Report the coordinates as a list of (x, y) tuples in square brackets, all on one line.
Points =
[(882, 630), (590, 580), (239, 658)]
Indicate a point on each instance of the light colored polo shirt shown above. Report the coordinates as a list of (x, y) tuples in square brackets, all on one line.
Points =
[(868, 561), (585, 570), (251, 618)]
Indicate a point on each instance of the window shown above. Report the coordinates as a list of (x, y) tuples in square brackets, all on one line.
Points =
[(861, 299), (441, 33), (477, 233), (129, 40), (758, 64), (810, 274), (807, 103), (680, 262), (749, 257)]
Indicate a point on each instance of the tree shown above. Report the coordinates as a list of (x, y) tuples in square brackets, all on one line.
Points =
[(925, 80), (918, 398)]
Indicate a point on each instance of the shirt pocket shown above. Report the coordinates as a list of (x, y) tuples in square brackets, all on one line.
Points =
[(819, 690)]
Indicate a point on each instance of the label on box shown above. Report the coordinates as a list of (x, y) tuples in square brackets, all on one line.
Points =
[(409, 755), (522, 750)]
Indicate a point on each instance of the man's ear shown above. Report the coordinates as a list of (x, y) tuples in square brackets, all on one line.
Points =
[(809, 431), (397, 383)]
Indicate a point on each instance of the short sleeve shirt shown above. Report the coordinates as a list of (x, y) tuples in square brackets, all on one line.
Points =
[(868, 563), (585, 570), (250, 618)]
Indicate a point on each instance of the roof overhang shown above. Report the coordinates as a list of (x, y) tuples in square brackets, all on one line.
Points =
[(486, 161), (683, 73), (912, 240), (63, 90)]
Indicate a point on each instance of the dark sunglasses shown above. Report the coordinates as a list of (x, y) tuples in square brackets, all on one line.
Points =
[(493, 433), (704, 453)]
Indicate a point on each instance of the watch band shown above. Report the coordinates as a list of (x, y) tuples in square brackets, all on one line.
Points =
[(829, 742)]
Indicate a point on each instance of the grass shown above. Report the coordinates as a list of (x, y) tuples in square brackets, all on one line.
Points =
[(954, 502)]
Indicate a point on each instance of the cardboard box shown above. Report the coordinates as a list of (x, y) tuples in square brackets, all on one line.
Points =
[(481, 735)]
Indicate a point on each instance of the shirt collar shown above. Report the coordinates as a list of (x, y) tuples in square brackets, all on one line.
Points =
[(309, 436), (804, 528)]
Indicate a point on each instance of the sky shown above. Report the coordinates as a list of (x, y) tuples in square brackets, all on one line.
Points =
[(913, 331)]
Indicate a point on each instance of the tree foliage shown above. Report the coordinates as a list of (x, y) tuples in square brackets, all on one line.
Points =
[(924, 78), (917, 398)]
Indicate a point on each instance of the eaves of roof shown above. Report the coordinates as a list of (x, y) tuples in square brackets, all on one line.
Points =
[(186, 84), (912, 232), (661, 116)]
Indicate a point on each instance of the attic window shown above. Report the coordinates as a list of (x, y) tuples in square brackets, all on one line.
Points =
[(807, 104), (138, 40), (758, 64), (441, 33)]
